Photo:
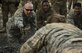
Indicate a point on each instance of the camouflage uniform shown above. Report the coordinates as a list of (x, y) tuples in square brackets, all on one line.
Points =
[(42, 16), (74, 19), (54, 37), (3, 43), (8, 6), (16, 25)]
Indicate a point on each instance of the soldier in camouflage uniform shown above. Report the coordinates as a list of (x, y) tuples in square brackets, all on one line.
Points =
[(56, 38), (42, 14), (75, 16), (22, 25), (8, 6)]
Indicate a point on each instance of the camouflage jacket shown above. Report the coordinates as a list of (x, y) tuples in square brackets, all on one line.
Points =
[(16, 36), (74, 19), (42, 16), (54, 37)]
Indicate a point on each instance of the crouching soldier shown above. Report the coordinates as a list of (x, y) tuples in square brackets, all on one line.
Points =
[(22, 21)]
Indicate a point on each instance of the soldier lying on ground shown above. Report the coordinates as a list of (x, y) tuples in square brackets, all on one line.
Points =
[(56, 38)]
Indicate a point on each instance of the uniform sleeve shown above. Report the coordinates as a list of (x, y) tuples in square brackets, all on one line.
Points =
[(70, 18), (18, 22), (34, 43)]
